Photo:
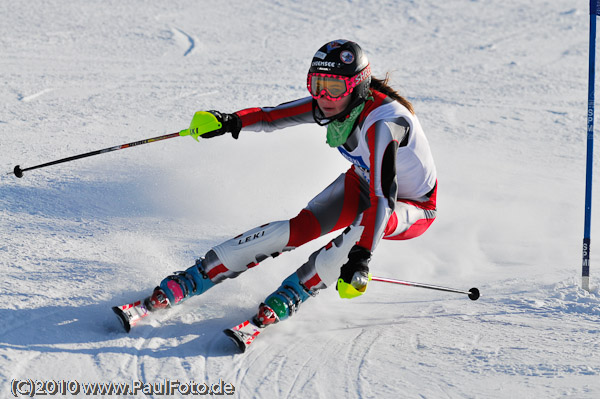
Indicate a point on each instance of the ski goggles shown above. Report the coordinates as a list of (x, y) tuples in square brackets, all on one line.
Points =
[(334, 87)]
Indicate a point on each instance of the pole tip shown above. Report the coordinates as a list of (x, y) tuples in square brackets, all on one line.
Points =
[(474, 294), (18, 172)]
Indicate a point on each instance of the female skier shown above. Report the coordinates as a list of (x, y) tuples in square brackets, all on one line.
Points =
[(389, 191)]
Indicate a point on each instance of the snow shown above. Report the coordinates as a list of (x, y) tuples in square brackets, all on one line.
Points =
[(501, 90)]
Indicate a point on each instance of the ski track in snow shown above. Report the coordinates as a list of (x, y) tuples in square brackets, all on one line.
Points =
[(501, 92), (191, 43), (29, 98)]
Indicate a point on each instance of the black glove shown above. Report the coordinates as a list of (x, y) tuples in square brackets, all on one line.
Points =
[(231, 124), (356, 270)]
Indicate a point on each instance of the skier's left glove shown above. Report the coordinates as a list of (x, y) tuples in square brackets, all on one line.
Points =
[(231, 123), (354, 275)]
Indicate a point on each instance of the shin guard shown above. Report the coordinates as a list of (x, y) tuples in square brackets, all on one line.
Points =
[(252, 247)]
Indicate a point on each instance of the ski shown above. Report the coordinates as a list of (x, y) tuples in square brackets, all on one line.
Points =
[(244, 334), (130, 314)]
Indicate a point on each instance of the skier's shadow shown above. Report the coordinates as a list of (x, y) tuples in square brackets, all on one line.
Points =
[(94, 330)]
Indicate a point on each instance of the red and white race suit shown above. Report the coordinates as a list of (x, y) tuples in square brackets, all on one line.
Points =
[(389, 192)]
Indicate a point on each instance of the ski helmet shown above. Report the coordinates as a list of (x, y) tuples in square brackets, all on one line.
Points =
[(345, 61)]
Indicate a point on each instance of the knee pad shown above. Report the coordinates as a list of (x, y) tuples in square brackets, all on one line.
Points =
[(323, 266), (288, 297), (183, 284)]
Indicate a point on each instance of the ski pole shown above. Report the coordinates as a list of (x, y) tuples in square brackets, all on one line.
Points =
[(473, 293), (19, 172), (203, 122)]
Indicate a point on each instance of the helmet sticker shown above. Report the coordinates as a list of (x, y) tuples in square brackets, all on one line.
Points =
[(325, 64), (335, 44), (320, 55), (347, 57)]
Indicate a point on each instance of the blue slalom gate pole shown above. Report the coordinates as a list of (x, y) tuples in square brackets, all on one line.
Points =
[(585, 264)]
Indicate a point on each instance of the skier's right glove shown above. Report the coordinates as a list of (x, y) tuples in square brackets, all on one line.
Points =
[(231, 123)]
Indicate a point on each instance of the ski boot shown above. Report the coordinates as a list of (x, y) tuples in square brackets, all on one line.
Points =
[(181, 285), (282, 303)]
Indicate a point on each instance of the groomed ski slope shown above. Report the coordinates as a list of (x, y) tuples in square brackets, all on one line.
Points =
[(501, 90)]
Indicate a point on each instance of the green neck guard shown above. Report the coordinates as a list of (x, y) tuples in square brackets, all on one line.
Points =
[(338, 132)]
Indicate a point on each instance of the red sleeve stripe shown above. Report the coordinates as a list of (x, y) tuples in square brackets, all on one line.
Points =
[(251, 116)]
